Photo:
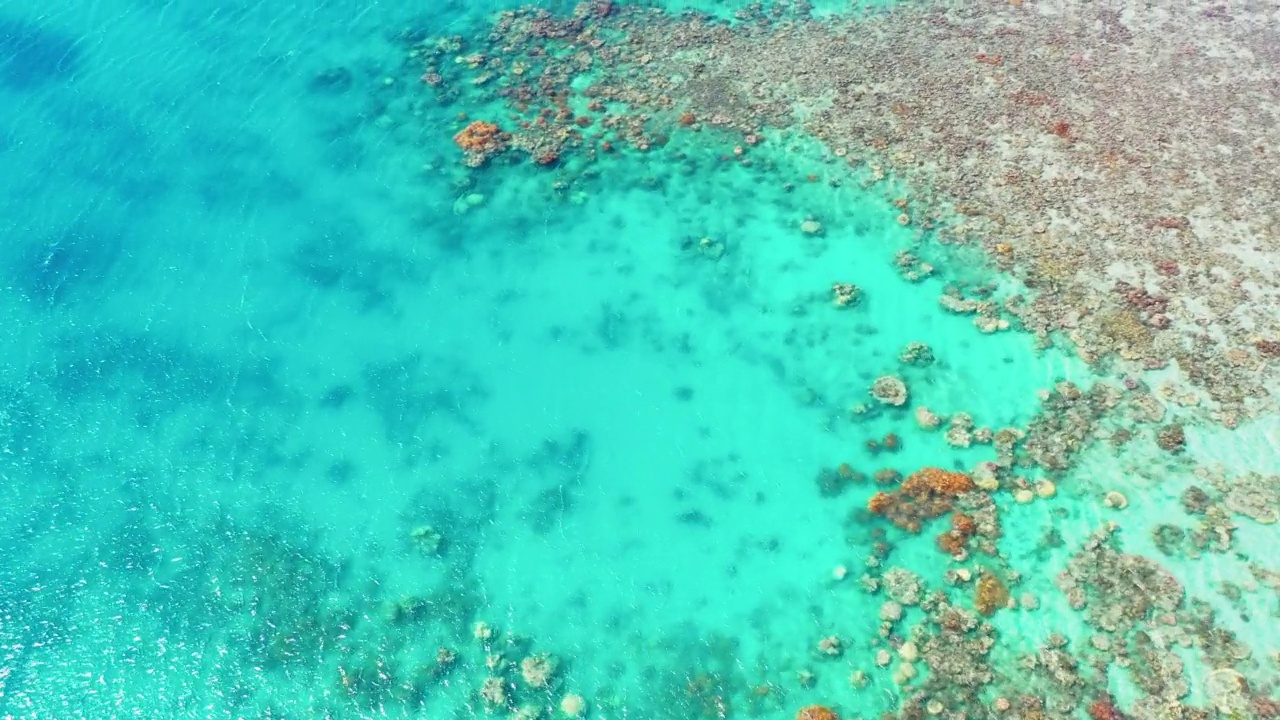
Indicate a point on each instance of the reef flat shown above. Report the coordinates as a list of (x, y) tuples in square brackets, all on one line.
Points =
[(1115, 160)]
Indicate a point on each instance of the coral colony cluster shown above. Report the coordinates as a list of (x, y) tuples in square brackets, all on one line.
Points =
[(1118, 160)]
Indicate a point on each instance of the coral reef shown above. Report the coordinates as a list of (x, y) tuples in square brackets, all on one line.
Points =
[(956, 540), (833, 483), (1117, 174), (932, 481), (881, 503), (890, 611), (1048, 153), (912, 268), (926, 418), (1115, 499), (885, 476), (480, 140), (494, 692), (1171, 438), (427, 540), (817, 712), (537, 670), (959, 430), (903, 586), (890, 390), (1117, 590), (1067, 421), (925, 494), (917, 353), (845, 294), (830, 646), (955, 645), (1255, 496), (1195, 500), (990, 593), (573, 705)]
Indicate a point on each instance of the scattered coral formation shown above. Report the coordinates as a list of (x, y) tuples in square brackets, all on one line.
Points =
[(1255, 496), (917, 353), (427, 540), (956, 540), (845, 294), (833, 483), (1171, 438), (537, 670), (890, 390), (573, 705)]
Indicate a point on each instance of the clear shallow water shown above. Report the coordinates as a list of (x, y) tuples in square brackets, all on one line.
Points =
[(253, 340)]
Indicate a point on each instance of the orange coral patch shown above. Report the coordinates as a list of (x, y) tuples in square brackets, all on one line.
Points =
[(880, 503), (924, 495), (479, 136), (817, 712)]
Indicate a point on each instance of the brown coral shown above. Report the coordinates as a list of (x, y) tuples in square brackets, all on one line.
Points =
[(480, 137), (952, 542), (817, 712), (936, 481), (925, 494), (990, 594), (880, 503), (1104, 708), (956, 540)]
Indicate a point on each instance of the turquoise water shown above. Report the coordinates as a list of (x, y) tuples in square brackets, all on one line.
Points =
[(292, 400)]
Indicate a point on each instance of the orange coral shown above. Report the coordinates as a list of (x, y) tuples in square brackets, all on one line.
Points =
[(817, 712), (881, 503), (936, 481), (956, 539), (952, 542), (479, 137), (990, 594), (926, 494), (688, 118)]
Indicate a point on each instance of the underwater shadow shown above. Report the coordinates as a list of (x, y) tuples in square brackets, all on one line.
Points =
[(53, 271), (32, 56)]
